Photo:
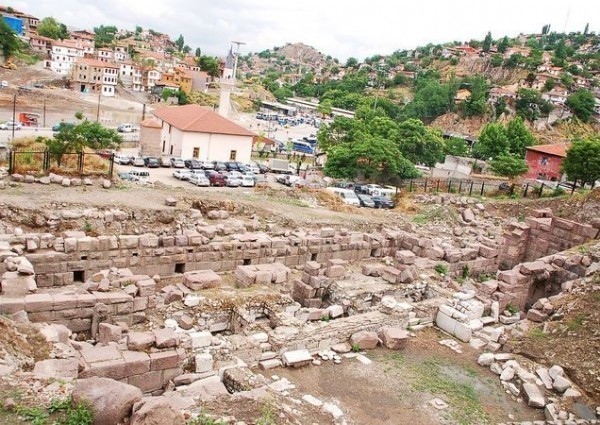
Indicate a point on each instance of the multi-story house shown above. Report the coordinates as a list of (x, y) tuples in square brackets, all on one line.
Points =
[(42, 46), (105, 55), (137, 82), (86, 39), (150, 77), (180, 78), (63, 56), (126, 70), (94, 76)]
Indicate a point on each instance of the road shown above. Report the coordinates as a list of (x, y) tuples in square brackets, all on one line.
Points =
[(6, 135)]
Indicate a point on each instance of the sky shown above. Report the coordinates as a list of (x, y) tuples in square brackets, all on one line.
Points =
[(340, 28)]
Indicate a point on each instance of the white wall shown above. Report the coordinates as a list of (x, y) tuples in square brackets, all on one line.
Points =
[(213, 147)]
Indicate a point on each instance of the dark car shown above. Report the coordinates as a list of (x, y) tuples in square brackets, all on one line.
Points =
[(360, 188), (219, 166), (232, 166), (241, 167), (152, 162), (192, 164), (365, 200), (216, 179), (383, 202), (263, 168)]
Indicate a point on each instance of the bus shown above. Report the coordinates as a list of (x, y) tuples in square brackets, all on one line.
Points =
[(302, 147)]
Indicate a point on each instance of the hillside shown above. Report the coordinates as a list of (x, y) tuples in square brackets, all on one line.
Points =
[(292, 58)]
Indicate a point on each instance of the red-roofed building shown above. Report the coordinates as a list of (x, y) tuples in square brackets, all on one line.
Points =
[(194, 131), (545, 161), (41, 45), (64, 54)]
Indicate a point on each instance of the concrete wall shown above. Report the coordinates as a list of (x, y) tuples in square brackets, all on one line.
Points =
[(150, 141)]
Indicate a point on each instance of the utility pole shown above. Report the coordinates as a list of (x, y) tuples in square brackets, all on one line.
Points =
[(144, 112), (235, 62), (44, 115), (98, 111), (14, 116)]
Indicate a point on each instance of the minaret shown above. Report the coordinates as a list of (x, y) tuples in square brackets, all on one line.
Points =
[(227, 84)]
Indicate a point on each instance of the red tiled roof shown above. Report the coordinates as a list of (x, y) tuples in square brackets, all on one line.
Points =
[(558, 149), (97, 63), (150, 123), (199, 119)]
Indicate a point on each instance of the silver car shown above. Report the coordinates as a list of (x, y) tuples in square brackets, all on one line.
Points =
[(181, 174), (199, 180)]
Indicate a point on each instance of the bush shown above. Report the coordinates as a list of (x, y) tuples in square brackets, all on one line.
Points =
[(441, 269)]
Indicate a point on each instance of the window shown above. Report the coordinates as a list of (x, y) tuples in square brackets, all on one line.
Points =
[(164, 143), (196, 153), (544, 161), (232, 155)]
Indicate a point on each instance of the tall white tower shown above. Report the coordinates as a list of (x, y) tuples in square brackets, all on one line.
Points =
[(227, 84)]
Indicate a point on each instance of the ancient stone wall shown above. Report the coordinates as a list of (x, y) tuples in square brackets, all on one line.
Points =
[(541, 235)]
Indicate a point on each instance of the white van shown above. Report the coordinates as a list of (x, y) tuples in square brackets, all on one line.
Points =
[(348, 196), (386, 193), (140, 176)]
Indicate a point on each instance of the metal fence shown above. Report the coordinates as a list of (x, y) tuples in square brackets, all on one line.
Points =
[(71, 163), (480, 188)]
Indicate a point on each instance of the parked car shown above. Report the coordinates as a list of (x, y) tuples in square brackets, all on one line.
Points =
[(241, 166), (181, 174), (199, 179), (248, 181), (253, 168), (139, 162), (140, 176), (232, 166), (151, 162), (192, 164), (3, 84), (235, 174), (165, 162), (126, 128), (10, 125), (383, 202), (123, 159), (371, 187), (263, 168), (177, 163), (219, 166), (207, 165), (217, 179), (232, 181), (365, 200), (63, 124)]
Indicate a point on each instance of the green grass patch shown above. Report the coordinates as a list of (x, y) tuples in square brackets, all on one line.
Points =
[(577, 322), (537, 333)]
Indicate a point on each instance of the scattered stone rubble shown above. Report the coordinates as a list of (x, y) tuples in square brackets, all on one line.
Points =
[(194, 315)]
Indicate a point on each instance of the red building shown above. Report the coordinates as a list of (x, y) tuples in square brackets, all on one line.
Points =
[(545, 161)]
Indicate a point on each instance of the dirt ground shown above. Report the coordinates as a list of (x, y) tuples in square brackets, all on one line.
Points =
[(397, 387)]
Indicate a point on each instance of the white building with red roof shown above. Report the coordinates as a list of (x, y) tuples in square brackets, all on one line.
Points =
[(196, 132)]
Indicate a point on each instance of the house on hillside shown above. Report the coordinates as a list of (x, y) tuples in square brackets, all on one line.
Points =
[(194, 131), (94, 76), (64, 54), (557, 96), (498, 93), (545, 161), (461, 96)]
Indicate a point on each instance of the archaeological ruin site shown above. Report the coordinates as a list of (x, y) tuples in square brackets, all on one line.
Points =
[(214, 311)]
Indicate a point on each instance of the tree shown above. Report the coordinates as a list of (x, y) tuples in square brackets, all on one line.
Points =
[(582, 103), (455, 146), (9, 42), (546, 29), (420, 144), (86, 134), (586, 29), (351, 62), (487, 42), (492, 142), (519, 137), (210, 65), (583, 160), (104, 35), (549, 84), (325, 107), (51, 28), (513, 60), (508, 165), (198, 52), (503, 45), (496, 60), (476, 104), (138, 29), (186, 49), (370, 158), (530, 104), (180, 42)]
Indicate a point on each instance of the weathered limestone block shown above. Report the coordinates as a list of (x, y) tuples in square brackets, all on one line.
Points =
[(109, 333), (405, 257), (201, 279), (364, 340), (138, 341), (166, 338), (393, 338), (245, 276), (296, 358)]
